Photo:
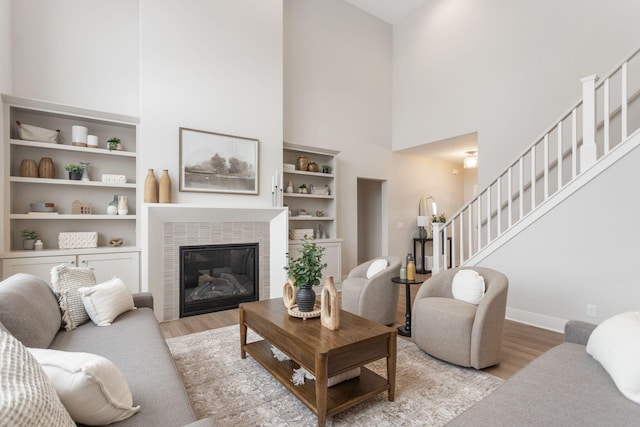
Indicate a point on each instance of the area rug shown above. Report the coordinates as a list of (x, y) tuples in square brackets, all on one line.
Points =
[(237, 392)]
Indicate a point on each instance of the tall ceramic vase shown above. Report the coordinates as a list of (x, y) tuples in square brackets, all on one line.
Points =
[(165, 187), (150, 188), (306, 299), (123, 209)]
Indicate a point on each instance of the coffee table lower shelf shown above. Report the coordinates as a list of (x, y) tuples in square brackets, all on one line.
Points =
[(339, 397)]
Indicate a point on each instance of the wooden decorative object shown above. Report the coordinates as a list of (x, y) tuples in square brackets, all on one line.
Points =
[(46, 168), (28, 168), (150, 188), (289, 293), (330, 305), (80, 208)]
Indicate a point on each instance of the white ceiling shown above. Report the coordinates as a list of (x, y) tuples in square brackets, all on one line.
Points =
[(391, 11)]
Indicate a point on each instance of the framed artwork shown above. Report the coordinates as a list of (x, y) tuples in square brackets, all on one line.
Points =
[(217, 163)]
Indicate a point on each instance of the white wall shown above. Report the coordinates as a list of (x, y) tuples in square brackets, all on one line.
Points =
[(582, 252), (337, 70), (77, 52), (5, 48), (506, 69), (211, 66)]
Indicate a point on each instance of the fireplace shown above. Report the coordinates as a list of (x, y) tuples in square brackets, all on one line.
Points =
[(217, 277)]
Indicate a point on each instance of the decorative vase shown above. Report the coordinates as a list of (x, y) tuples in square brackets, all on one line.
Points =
[(123, 209), (150, 188), (28, 168), (165, 187), (85, 171), (306, 299), (330, 305), (302, 163), (46, 168)]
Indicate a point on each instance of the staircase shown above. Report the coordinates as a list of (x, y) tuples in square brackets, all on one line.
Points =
[(592, 136)]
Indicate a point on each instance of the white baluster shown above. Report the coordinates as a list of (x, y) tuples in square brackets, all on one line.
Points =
[(559, 168), (545, 155), (623, 100), (574, 143), (521, 195), (588, 151), (606, 112), (510, 197), (533, 178), (437, 256)]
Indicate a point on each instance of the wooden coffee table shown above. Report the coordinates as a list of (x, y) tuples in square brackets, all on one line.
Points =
[(322, 352)]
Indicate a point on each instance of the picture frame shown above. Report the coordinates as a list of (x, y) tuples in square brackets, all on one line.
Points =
[(218, 163)]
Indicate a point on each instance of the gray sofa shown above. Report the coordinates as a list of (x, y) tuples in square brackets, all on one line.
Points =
[(563, 387), (134, 343)]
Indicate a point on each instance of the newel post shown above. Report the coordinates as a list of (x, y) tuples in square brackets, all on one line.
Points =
[(437, 248), (588, 151)]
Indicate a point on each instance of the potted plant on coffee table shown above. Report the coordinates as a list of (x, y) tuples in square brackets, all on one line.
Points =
[(75, 171), (306, 272)]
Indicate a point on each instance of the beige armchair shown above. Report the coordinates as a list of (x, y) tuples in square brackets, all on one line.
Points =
[(375, 298), (456, 331)]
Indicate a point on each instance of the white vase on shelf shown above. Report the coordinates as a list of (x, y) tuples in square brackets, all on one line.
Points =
[(123, 209)]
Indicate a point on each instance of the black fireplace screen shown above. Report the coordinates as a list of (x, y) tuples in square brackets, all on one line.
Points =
[(217, 277)]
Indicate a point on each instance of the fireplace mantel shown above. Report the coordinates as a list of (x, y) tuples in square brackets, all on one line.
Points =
[(154, 251)]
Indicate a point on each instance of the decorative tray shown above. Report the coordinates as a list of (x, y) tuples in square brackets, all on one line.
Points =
[(293, 311)]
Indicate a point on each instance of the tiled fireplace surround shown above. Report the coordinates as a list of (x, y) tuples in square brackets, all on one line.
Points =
[(170, 226), (178, 234)]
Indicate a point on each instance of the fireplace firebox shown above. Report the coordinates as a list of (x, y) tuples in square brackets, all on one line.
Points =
[(217, 277)]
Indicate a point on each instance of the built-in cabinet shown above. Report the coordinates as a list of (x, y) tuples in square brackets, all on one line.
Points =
[(19, 191), (311, 201)]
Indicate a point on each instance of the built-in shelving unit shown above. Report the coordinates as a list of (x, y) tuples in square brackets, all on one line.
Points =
[(317, 208), (18, 192)]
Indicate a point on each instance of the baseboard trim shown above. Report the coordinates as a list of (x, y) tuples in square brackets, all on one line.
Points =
[(554, 324)]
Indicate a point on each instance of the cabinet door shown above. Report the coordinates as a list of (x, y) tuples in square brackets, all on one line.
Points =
[(333, 258), (38, 266), (125, 265)]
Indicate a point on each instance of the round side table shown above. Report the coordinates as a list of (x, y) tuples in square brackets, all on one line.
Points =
[(406, 330)]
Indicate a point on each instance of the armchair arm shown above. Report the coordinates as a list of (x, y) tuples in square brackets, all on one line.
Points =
[(143, 299), (578, 332)]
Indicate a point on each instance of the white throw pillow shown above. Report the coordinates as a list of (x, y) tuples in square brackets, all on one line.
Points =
[(27, 398), (91, 387), (376, 267), (468, 286), (615, 343), (65, 281), (106, 301)]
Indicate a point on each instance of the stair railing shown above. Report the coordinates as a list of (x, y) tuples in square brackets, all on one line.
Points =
[(590, 129)]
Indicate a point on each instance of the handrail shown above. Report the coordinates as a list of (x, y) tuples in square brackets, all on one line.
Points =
[(474, 220)]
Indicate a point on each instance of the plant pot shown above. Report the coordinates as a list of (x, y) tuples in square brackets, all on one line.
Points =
[(75, 175), (29, 244), (306, 299)]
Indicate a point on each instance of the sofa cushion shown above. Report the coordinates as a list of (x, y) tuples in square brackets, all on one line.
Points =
[(66, 280), (91, 387), (615, 343), (28, 398), (29, 310), (106, 301), (376, 267), (468, 286)]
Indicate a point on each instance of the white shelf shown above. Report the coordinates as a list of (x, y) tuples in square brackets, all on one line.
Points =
[(77, 217), (312, 218), (318, 174), (63, 252), (64, 147), (307, 196), (80, 183)]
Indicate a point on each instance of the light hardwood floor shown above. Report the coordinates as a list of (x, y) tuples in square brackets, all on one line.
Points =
[(520, 345)]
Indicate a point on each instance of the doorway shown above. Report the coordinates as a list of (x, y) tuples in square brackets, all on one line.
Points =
[(372, 226)]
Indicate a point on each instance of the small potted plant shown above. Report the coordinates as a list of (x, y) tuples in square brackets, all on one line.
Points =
[(29, 237), (113, 144), (302, 189), (306, 272), (439, 218), (326, 168), (75, 171)]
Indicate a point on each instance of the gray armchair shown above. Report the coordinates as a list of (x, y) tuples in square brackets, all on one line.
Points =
[(456, 331), (375, 298)]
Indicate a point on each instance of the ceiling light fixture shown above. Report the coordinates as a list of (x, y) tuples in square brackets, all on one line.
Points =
[(471, 161)]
